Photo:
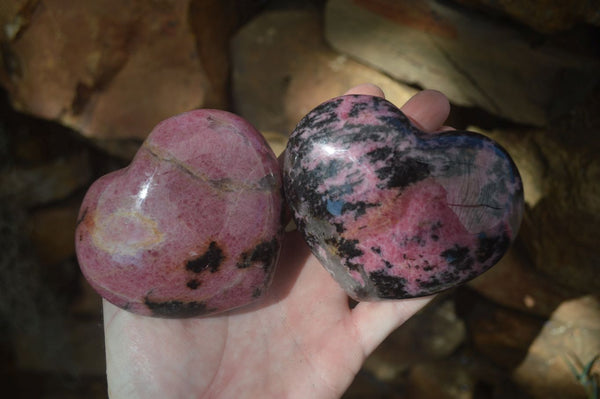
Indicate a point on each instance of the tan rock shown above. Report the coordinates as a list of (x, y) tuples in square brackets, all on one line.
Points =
[(572, 335), (213, 23), (282, 68), (107, 74), (537, 351), (276, 141), (475, 61)]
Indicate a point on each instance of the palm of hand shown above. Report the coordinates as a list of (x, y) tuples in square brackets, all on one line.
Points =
[(301, 340)]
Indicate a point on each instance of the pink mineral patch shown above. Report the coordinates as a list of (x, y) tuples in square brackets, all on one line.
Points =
[(393, 212), (192, 226)]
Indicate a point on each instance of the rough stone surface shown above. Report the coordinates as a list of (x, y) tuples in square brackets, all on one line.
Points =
[(561, 181), (502, 335), (432, 334), (213, 23), (47, 182), (41, 162), (563, 231), (87, 303), (53, 245), (546, 16), (443, 380), (515, 283), (13, 15), (537, 351), (561, 178), (475, 61), (277, 78), (392, 212), (192, 226), (78, 352), (107, 74), (571, 335)]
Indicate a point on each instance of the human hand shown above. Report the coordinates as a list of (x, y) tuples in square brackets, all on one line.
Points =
[(301, 340)]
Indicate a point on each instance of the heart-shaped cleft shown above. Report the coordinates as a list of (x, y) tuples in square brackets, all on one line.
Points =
[(192, 226), (394, 212)]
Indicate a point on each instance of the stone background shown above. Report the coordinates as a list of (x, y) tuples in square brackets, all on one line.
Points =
[(83, 83)]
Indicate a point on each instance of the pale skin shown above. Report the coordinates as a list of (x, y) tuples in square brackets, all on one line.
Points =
[(301, 340)]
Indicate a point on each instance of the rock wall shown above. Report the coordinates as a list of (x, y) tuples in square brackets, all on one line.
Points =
[(83, 85), (474, 59)]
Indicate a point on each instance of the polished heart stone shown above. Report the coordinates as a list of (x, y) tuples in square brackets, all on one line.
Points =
[(192, 226), (394, 212)]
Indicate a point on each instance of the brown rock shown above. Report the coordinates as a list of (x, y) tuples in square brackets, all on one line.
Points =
[(41, 161), (78, 351), (51, 231), (536, 351), (440, 380), (106, 73), (365, 386), (546, 16), (474, 60), (33, 297), (434, 333), (572, 335), (563, 230), (88, 302), (52, 181), (500, 334), (54, 386), (213, 22), (564, 243), (561, 178), (282, 68), (579, 126), (14, 15), (516, 284)]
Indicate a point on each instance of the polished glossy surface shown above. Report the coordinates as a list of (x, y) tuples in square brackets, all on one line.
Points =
[(192, 226), (393, 212)]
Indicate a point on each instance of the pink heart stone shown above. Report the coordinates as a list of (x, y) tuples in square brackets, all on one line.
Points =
[(391, 211), (192, 226)]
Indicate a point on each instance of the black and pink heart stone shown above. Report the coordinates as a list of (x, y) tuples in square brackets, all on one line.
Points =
[(193, 226), (393, 212)]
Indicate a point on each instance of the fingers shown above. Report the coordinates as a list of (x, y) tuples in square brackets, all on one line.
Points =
[(367, 89), (374, 321), (428, 109)]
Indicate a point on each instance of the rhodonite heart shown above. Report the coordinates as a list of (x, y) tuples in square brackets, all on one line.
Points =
[(192, 226), (391, 211)]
